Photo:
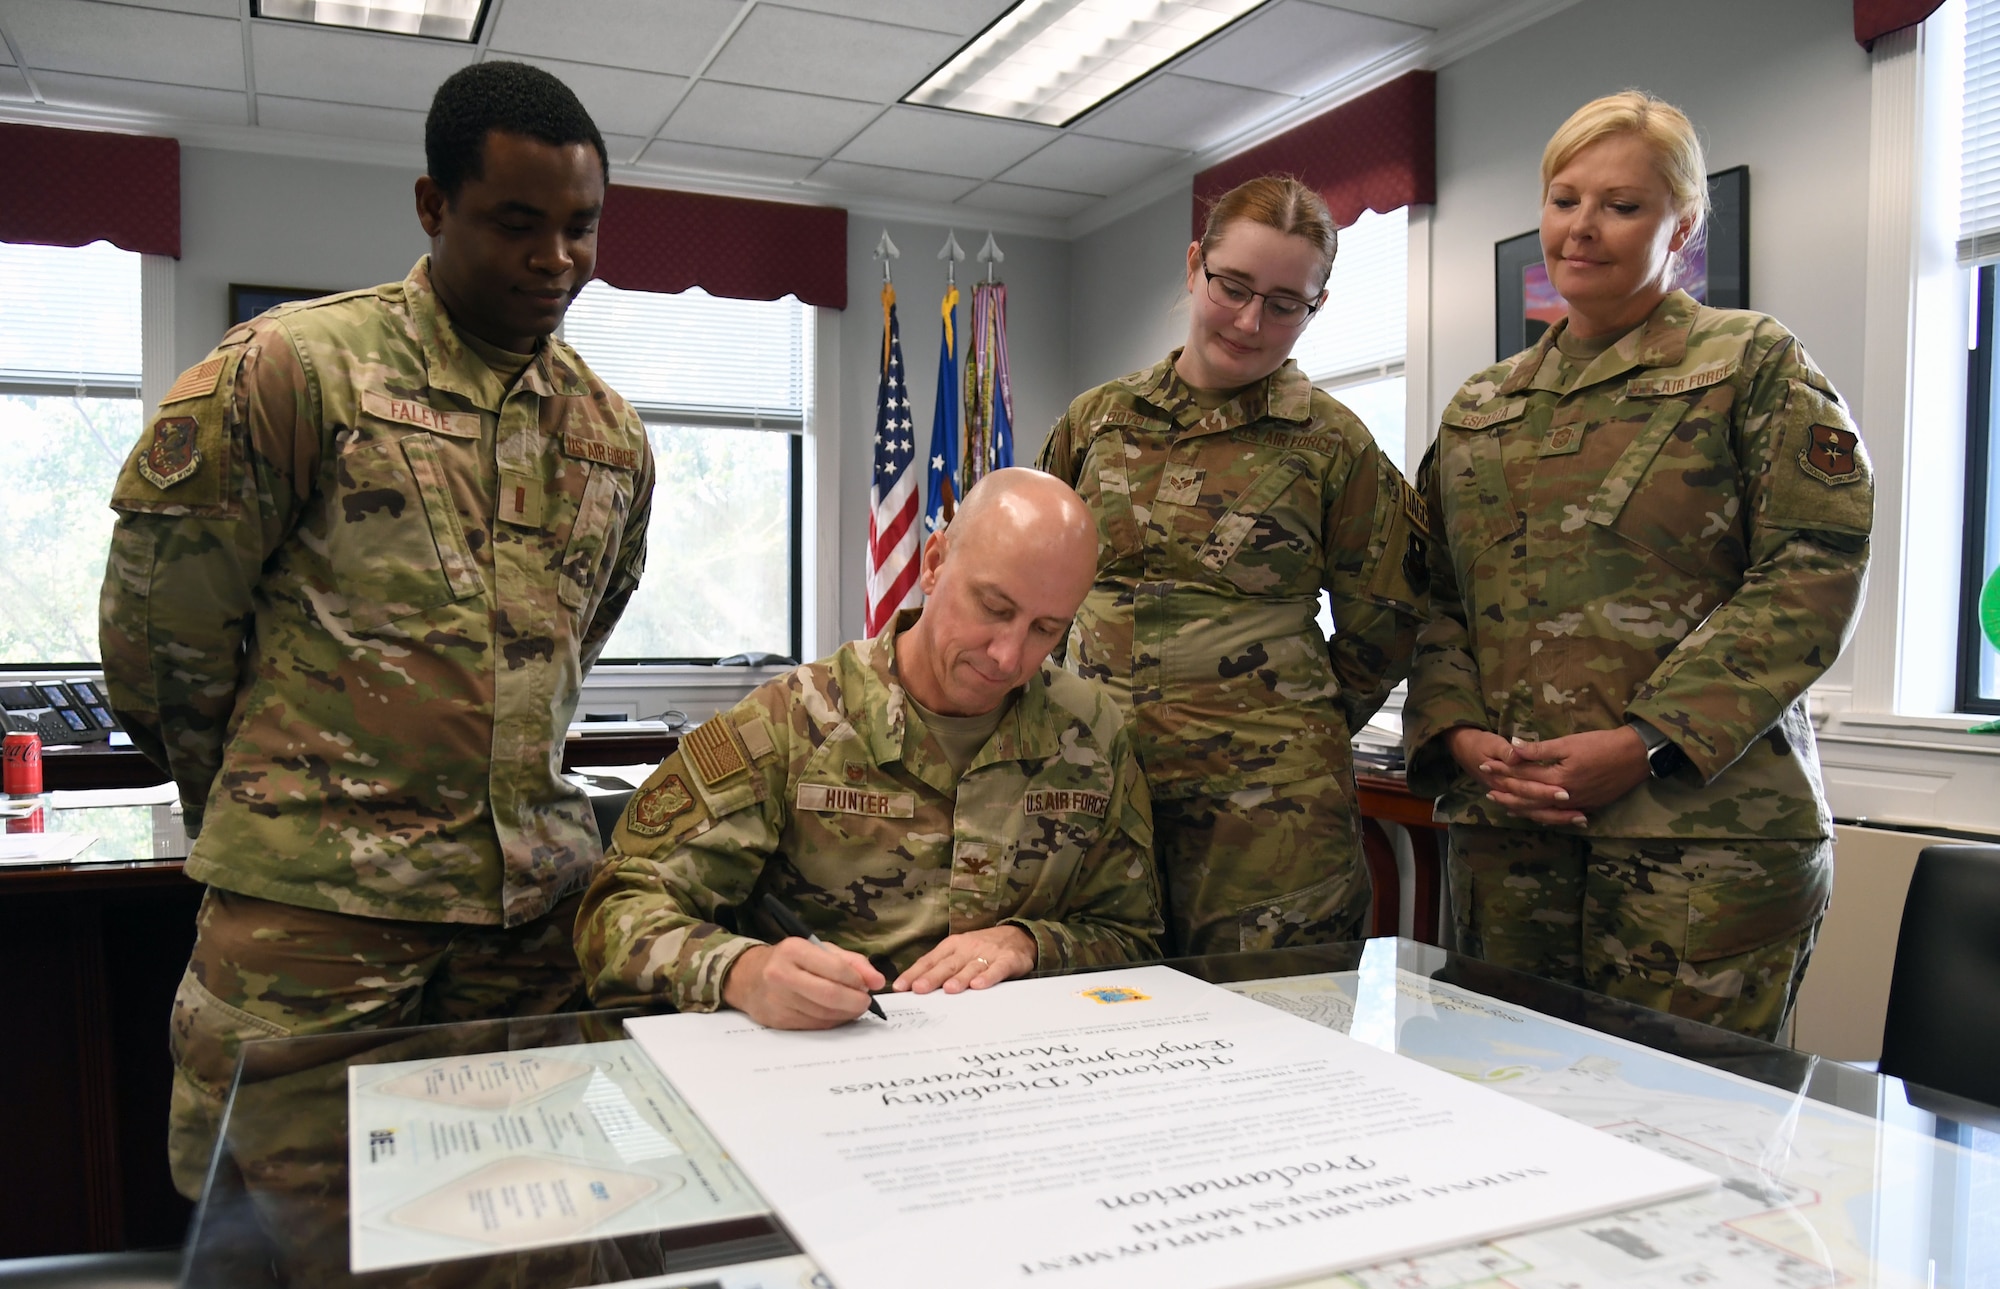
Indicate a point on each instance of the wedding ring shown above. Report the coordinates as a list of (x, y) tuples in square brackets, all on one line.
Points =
[(982, 962)]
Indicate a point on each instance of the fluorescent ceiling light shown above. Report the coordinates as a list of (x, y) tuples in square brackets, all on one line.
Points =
[(438, 19), (1050, 61)]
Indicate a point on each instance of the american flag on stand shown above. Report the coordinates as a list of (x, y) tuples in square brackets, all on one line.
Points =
[(892, 497)]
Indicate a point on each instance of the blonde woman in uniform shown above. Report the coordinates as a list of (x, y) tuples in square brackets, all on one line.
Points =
[(1652, 536), (1228, 494)]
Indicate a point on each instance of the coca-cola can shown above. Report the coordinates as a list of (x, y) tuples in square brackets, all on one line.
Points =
[(35, 820), (22, 760)]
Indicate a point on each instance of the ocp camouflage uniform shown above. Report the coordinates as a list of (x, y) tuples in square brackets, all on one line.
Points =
[(1675, 530), (824, 788), (355, 583), (1217, 531)]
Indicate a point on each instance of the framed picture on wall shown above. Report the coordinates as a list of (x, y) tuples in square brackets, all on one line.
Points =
[(1714, 268), (246, 302)]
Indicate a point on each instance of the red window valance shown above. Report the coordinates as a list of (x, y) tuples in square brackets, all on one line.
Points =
[(653, 239), (1377, 152), (75, 187), (1874, 19)]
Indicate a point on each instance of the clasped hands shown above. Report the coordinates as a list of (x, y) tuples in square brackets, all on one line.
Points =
[(796, 984), (1553, 781)]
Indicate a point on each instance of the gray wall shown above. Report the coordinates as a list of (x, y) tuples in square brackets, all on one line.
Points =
[(1126, 306), (279, 221), (1037, 273)]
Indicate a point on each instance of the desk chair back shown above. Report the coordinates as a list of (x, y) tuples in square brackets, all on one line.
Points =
[(607, 808), (1943, 1027)]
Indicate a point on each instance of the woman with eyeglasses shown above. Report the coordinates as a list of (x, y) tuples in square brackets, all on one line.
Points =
[(1228, 493), (1652, 537)]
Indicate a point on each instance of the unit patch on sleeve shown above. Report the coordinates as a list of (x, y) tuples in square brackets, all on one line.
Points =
[(1829, 455), (172, 455), (655, 809)]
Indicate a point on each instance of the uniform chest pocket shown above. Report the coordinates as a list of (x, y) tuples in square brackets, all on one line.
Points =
[(394, 544), (1675, 492), (1478, 509), (1054, 830), (595, 533), (1269, 540), (1105, 484)]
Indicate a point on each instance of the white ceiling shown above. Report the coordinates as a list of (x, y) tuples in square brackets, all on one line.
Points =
[(793, 99)]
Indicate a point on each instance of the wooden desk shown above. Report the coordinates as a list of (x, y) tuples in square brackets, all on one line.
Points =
[(1385, 799)]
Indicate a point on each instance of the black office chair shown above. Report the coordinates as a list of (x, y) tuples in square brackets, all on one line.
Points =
[(607, 808), (1943, 1028)]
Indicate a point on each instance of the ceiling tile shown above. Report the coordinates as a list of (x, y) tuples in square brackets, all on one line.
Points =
[(620, 101), (1015, 199), (347, 120), (952, 143), (1435, 14), (818, 53), (168, 102), (14, 86), (883, 181), (1295, 47), (964, 18), (297, 61), (672, 36), (138, 44), (739, 163), (735, 116), (1181, 112), (1077, 163)]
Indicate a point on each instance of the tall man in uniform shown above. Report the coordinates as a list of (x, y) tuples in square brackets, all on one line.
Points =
[(935, 803), (364, 554)]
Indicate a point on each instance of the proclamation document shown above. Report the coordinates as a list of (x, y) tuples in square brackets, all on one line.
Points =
[(1126, 1128), (487, 1153)]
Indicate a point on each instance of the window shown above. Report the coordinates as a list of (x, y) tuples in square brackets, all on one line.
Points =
[(69, 414), (1353, 347), (721, 385)]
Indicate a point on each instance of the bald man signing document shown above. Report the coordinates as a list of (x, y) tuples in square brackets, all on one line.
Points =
[(936, 804)]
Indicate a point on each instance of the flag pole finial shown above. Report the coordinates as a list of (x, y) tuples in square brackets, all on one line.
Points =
[(951, 253), (885, 250), (990, 254)]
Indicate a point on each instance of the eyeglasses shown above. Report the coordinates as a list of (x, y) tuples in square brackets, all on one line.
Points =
[(1279, 310)]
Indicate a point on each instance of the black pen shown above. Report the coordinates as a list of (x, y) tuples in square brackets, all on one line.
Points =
[(789, 923)]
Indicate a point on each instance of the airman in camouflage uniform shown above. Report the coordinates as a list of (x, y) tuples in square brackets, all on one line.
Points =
[(362, 561), (1675, 530), (825, 789), (1217, 531)]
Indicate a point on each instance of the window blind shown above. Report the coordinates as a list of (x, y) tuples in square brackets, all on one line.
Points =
[(1362, 327), (1979, 199), (72, 317), (695, 354)]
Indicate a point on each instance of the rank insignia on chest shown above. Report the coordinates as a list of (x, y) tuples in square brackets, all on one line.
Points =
[(857, 773), (1829, 455), (1180, 485), (172, 455), (658, 806)]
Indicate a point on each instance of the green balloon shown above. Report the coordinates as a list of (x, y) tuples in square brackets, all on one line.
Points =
[(1989, 608)]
